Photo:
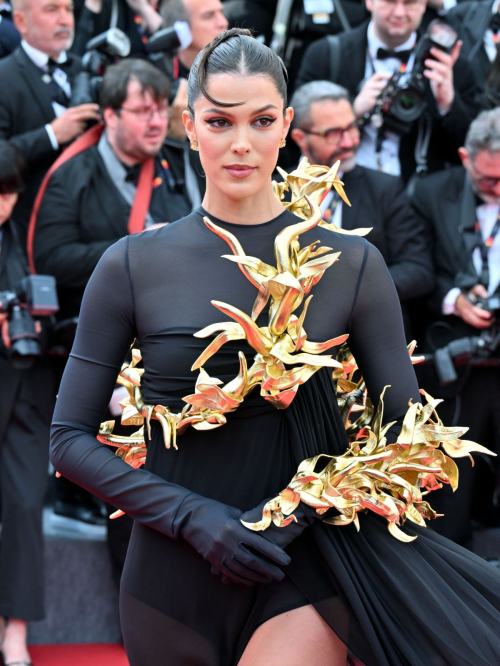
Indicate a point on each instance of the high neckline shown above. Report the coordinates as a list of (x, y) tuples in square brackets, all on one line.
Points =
[(202, 212)]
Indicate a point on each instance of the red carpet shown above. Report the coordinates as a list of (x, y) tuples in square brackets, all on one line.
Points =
[(78, 655)]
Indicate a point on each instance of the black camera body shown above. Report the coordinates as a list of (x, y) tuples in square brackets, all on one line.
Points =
[(34, 296), (403, 100), (490, 303), (101, 51)]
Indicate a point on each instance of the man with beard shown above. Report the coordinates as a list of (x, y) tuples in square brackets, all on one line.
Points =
[(325, 129), (35, 81), (461, 210), (89, 200)]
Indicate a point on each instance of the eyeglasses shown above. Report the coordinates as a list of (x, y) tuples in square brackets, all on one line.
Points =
[(145, 114), (407, 4), (335, 134), (486, 182)]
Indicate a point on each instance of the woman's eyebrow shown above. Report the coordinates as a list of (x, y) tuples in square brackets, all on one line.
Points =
[(227, 113)]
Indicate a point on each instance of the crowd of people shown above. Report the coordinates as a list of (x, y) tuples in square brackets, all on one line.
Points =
[(92, 148)]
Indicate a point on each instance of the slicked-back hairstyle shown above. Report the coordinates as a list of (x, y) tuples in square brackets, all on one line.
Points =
[(12, 166), (234, 51), (309, 93), (484, 133), (113, 91)]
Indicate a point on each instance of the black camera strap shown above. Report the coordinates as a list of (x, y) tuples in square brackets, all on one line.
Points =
[(484, 248)]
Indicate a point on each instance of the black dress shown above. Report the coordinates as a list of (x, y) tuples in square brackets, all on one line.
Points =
[(426, 603)]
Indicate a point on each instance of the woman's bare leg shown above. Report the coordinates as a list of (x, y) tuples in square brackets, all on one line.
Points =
[(298, 636)]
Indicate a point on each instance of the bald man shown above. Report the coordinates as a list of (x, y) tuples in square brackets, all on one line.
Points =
[(35, 81)]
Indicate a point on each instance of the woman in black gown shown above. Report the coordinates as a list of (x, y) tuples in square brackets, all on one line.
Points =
[(425, 603)]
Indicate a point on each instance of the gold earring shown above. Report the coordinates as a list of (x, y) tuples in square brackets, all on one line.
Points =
[(282, 143), (194, 145)]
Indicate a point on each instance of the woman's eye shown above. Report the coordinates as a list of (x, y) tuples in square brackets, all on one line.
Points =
[(218, 122), (265, 122)]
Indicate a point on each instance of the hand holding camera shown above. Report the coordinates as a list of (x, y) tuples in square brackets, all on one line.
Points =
[(440, 74), (369, 93), (469, 308), (74, 121)]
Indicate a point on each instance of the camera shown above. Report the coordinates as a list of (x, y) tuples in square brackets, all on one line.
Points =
[(403, 100), (490, 303), (34, 296), (101, 51)]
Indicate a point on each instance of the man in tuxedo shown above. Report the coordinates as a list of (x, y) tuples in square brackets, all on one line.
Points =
[(478, 26), (88, 202), (35, 81), (326, 130), (460, 208), (364, 59)]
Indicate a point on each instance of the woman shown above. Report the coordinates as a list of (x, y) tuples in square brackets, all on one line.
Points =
[(391, 603), (24, 455)]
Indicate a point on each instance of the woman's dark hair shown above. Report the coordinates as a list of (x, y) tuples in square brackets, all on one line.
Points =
[(114, 86), (12, 165), (234, 51)]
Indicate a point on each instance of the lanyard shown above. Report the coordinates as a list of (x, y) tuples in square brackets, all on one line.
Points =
[(330, 211), (484, 248)]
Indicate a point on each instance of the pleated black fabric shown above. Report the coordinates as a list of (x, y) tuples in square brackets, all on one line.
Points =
[(428, 603)]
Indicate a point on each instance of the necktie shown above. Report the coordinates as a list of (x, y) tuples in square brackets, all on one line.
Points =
[(495, 22), (384, 54), (133, 172), (56, 92)]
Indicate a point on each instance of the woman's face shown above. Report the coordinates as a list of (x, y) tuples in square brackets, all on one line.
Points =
[(239, 145)]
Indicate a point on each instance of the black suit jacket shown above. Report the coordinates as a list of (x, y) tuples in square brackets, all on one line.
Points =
[(448, 131), (471, 20), (81, 215), (379, 200), (25, 109), (446, 205)]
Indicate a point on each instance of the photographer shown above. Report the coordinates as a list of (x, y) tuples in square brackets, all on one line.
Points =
[(478, 26), (364, 60), (206, 21), (138, 19), (35, 81), (325, 129), (26, 403), (461, 210), (92, 200)]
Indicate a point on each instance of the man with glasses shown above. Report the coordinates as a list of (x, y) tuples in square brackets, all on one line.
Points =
[(326, 130), (88, 202), (461, 210), (364, 59)]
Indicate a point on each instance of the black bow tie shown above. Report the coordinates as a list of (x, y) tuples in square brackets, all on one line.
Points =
[(404, 56), (495, 22), (52, 65), (133, 172), (6, 13)]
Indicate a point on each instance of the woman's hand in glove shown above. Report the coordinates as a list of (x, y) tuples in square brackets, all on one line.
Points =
[(215, 531)]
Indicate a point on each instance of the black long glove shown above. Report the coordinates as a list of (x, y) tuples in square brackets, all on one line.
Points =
[(215, 531)]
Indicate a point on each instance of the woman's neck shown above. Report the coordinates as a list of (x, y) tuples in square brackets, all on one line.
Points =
[(257, 209)]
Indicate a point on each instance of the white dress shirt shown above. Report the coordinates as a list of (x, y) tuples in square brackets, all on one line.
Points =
[(487, 215), (388, 158), (41, 60)]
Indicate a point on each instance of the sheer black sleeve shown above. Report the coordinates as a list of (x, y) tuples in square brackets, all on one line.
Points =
[(377, 339), (105, 332)]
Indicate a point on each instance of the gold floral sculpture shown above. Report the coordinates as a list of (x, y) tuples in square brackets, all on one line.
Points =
[(389, 479)]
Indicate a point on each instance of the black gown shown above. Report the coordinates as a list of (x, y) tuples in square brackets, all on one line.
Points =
[(425, 603)]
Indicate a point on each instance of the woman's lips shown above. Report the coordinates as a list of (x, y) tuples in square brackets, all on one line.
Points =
[(239, 170)]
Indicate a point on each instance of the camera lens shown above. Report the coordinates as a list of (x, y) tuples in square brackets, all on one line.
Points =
[(407, 105)]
